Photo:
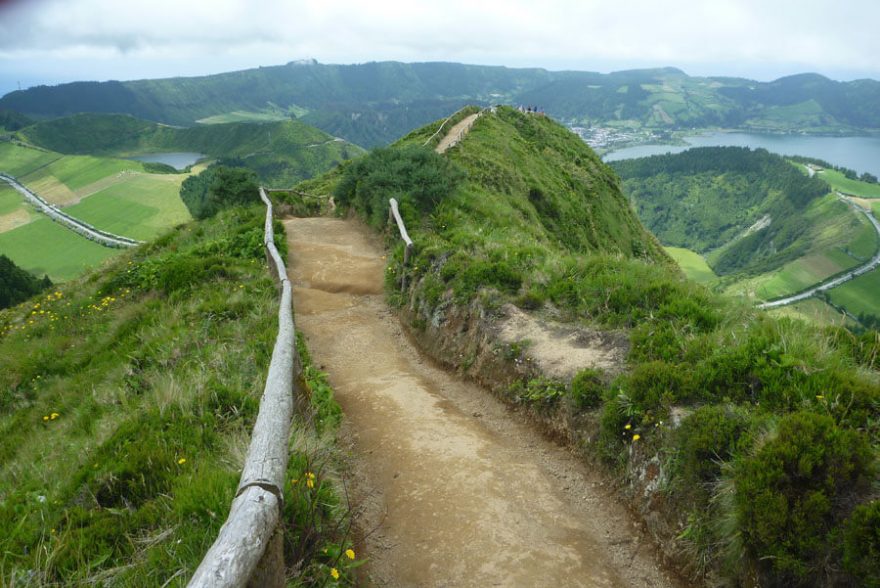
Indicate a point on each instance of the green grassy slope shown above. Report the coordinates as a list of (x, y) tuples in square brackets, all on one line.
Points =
[(729, 399), (848, 186), (281, 152), (692, 264), (127, 400)]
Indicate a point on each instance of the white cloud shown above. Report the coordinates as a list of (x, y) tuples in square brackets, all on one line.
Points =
[(98, 39)]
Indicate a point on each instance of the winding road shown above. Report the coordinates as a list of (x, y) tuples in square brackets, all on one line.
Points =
[(56, 214), (842, 279)]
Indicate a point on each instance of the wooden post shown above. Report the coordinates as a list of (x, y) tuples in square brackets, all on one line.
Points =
[(249, 549), (407, 252)]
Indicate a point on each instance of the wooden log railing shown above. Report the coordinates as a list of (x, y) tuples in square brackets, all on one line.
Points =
[(394, 213), (249, 547)]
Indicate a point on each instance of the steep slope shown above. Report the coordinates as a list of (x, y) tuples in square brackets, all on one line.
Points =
[(374, 103), (751, 209), (715, 404), (281, 152)]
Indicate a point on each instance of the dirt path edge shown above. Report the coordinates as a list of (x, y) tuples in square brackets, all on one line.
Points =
[(468, 340)]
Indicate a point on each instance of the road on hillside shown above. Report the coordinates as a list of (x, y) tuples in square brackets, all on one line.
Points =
[(862, 269), (450, 488), (62, 218)]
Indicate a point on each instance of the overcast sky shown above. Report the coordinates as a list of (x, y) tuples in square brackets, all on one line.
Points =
[(53, 41)]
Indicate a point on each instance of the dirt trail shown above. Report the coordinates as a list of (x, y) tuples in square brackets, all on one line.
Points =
[(456, 490), (456, 133)]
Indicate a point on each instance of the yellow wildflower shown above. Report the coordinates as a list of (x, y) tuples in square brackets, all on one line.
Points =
[(335, 573), (819, 397), (636, 437), (54, 416), (628, 427), (310, 480), (181, 461), (45, 417), (349, 553)]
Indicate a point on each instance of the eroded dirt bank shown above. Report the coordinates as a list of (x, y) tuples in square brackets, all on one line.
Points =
[(458, 491)]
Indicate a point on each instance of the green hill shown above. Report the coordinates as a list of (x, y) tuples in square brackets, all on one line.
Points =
[(281, 152), (515, 193), (374, 103), (748, 212), (718, 403)]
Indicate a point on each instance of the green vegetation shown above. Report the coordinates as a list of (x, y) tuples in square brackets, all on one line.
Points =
[(112, 194), (142, 207), (12, 121), (849, 186), (746, 207), (766, 429), (44, 247), (127, 399), (281, 153), (860, 297), (692, 264), (218, 187), (372, 104), (417, 177), (17, 285)]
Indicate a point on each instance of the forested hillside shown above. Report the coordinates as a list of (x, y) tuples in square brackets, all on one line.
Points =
[(17, 285), (374, 103), (749, 207), (281, 152)]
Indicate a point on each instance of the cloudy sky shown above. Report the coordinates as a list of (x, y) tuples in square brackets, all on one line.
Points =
[(53, 41)]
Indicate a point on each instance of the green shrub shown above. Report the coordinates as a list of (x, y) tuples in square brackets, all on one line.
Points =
[(789, 494), (587, 389), (413, 175), (705, 439), (861, 544), (219, 187)]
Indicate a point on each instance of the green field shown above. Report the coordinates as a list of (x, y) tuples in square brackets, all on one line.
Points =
[(45, 247), (860, 296), (116, 195), (840, 182), (10, 200), (692, 264), (813, 311), (242, 116), (142, 207)]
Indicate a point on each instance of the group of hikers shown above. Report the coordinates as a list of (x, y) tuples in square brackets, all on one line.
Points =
[(530, 109)]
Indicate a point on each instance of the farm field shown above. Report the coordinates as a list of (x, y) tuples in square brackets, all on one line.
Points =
[(45, 247), (814, 311), (141, 207), (840, 182), (860, 296), (115, 195), (242, 116), (13, 210), (692, 264)]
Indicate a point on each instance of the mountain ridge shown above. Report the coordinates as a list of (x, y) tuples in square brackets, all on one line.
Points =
[(373, 103)]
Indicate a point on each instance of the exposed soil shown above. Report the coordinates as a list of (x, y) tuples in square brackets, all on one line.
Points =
[(560, 351), (456, 133), (452, 488)]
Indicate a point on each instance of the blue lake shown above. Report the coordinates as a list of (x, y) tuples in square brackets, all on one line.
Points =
[(175, 160), (859, 153)]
